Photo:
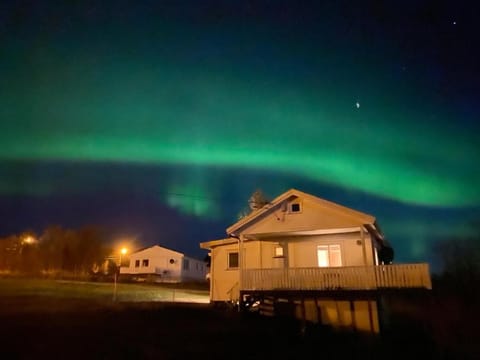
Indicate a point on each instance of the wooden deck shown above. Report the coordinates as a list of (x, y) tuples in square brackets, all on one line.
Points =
[(338, 278)]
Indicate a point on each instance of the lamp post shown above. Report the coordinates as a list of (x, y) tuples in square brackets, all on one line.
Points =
[(123, 251)]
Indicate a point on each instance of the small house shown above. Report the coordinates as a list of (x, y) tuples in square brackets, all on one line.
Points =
[(311, 258), (159, 264)]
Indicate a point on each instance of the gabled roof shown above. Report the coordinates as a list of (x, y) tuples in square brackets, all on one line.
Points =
[(156, 246), (360, 217)]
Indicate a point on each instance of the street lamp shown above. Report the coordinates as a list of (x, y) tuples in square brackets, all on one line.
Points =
[(123, 251), (29, 239)]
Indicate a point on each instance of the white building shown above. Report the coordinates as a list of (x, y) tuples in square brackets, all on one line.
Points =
[(159, 264), (312, 258)]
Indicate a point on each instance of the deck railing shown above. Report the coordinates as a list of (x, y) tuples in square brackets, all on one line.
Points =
[(334, 278)]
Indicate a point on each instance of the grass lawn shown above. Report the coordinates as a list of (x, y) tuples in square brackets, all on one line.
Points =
[(79, 320), (22, 294)]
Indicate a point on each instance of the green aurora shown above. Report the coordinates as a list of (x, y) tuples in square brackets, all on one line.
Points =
[(158, 88), (379, 148)]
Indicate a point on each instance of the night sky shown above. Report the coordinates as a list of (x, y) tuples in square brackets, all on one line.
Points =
[(158, 119)]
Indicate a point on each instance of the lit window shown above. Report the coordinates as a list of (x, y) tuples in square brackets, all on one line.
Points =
[(137, 263), (145, 262), (278, 251), (329, 255), (233, 260)]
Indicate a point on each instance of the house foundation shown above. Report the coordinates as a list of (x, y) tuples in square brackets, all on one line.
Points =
[(353, 311)]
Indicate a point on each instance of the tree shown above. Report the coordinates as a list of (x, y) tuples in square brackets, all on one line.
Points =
[(71, 250), (91, 248), (19, 252), (257, 200), (460, 261), (9, 253), (57, 249), (53, 248)]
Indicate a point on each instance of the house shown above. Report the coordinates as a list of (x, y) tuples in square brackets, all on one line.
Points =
[(310, 258), (159, 264)]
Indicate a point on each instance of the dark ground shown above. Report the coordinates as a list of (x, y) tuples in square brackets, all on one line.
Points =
[(36, 322), (86, 330)]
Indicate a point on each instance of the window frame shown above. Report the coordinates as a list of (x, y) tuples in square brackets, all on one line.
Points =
[(291, 207), (330, 249), (229, 265), (278, 251)]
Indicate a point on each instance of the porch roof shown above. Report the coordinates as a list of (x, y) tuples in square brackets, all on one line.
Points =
[(306, 232), (212, 243), (277, 235)]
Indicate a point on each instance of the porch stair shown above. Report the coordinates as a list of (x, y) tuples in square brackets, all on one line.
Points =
[(267, 306)]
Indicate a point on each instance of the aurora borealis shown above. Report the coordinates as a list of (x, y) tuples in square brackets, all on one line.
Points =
[(184, 108)]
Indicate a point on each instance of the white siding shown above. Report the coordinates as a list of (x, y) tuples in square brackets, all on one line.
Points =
[(193, 269), (167, 265)]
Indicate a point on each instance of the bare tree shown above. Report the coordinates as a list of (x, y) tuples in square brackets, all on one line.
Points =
[(19, 252), (257, 200), (73, 251), (460, 261)]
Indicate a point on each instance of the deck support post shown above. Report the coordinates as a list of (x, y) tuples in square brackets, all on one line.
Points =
[(352, 311), (304, 316), (319, 311)]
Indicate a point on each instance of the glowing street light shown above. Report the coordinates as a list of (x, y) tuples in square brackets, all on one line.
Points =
[(29, 240), (123, 251)]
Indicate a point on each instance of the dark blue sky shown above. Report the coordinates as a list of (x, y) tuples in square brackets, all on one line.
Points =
[(158, 119)]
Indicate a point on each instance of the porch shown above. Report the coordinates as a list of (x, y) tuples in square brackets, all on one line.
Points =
[(337, 278)]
